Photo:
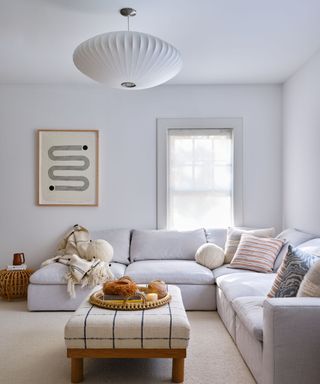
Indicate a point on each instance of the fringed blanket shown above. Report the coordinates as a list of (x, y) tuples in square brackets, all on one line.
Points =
[(85, 268)]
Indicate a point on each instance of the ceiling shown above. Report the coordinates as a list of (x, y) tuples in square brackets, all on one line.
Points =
[(221, 41)]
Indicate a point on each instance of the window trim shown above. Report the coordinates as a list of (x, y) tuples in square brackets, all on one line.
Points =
[(163, 127)]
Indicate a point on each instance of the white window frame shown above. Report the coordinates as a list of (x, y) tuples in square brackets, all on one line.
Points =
[(163, 127)]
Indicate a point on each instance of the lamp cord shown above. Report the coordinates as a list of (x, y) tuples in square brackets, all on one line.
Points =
[(128, 23)]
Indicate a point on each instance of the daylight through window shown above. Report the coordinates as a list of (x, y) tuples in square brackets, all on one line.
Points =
[(200, 178)]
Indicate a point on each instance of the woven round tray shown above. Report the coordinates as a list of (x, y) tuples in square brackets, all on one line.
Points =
[(97, 299)]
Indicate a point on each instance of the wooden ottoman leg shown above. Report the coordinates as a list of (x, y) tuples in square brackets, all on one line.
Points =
[(76, 370), (178, 370)]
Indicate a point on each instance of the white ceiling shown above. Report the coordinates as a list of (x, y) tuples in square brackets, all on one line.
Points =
[(221, 41)]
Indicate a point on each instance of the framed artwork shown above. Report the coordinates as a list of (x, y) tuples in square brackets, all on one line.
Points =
[(68, 167)]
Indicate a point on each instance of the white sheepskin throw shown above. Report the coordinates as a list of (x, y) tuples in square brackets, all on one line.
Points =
[(310, 285), (210, 255), (81, 271), (96, 249), (77, 242), (69, 245), (88, 260)]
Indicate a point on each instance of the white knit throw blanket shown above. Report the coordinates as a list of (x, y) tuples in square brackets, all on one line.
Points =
[(80, 271)]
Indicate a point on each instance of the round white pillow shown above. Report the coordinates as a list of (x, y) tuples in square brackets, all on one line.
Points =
[(210, 255)]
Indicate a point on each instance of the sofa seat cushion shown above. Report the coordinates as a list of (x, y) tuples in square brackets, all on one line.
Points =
[(245, 284), (250, 312), (225, 270), (120, 241), (165, 245), (54, 273), (170, 271)]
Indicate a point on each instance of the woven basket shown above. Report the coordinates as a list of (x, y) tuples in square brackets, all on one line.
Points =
[(14, 284), (97, 299)]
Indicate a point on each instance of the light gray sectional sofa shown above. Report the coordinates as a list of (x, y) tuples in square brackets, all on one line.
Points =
[(279, 339)]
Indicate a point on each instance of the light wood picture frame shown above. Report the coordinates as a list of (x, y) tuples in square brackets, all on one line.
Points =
[(68, 167)]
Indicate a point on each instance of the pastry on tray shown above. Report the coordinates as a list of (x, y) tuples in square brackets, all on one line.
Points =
[(123, 287), (159, 287)]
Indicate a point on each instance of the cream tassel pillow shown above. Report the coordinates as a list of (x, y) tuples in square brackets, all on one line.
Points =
[(210, 255), (310, 285)]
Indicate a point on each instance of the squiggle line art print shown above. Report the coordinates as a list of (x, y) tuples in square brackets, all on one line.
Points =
[(83, 167), (68, 164)]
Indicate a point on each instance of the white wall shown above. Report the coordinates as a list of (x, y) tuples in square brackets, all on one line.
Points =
[(301, 139), (127, 124)]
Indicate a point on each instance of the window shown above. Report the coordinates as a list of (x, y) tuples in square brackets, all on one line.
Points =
[(197, 184), (199, 178)]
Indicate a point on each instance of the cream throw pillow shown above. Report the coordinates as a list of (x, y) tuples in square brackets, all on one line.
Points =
[(210, 255), (310, 285), (234, 236)]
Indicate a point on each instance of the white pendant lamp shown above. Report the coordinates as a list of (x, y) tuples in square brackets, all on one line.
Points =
[(127, 59)]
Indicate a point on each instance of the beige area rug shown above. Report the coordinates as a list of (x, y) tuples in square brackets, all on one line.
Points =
[(32, 351)]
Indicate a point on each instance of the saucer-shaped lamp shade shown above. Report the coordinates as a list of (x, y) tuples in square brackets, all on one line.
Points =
[(127, 59)]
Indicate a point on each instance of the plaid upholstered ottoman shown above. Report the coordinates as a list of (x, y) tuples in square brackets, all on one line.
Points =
[(161, 332)]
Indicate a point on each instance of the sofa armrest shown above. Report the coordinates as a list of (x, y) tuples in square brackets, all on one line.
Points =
[(291, 341)]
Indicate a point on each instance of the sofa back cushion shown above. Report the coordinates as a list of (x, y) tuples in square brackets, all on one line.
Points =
[(311, 246), (295, 237), (165, 245), (216, 236), (120, 241), (281, 255)]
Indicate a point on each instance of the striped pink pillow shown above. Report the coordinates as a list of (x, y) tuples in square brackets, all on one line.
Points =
[(256, 253)]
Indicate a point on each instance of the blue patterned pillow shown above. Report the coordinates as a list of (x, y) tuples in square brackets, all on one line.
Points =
[(291, 272)]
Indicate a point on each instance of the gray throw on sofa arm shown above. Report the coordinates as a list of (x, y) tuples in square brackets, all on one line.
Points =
[(291, 341)]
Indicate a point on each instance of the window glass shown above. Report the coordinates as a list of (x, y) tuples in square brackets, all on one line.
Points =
[(200, 174)]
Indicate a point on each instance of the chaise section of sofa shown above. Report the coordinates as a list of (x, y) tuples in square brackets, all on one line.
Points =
[(278, 338), (291, 341), (47, 290)]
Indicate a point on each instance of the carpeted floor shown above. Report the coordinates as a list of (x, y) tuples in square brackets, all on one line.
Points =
[(32, 351)]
